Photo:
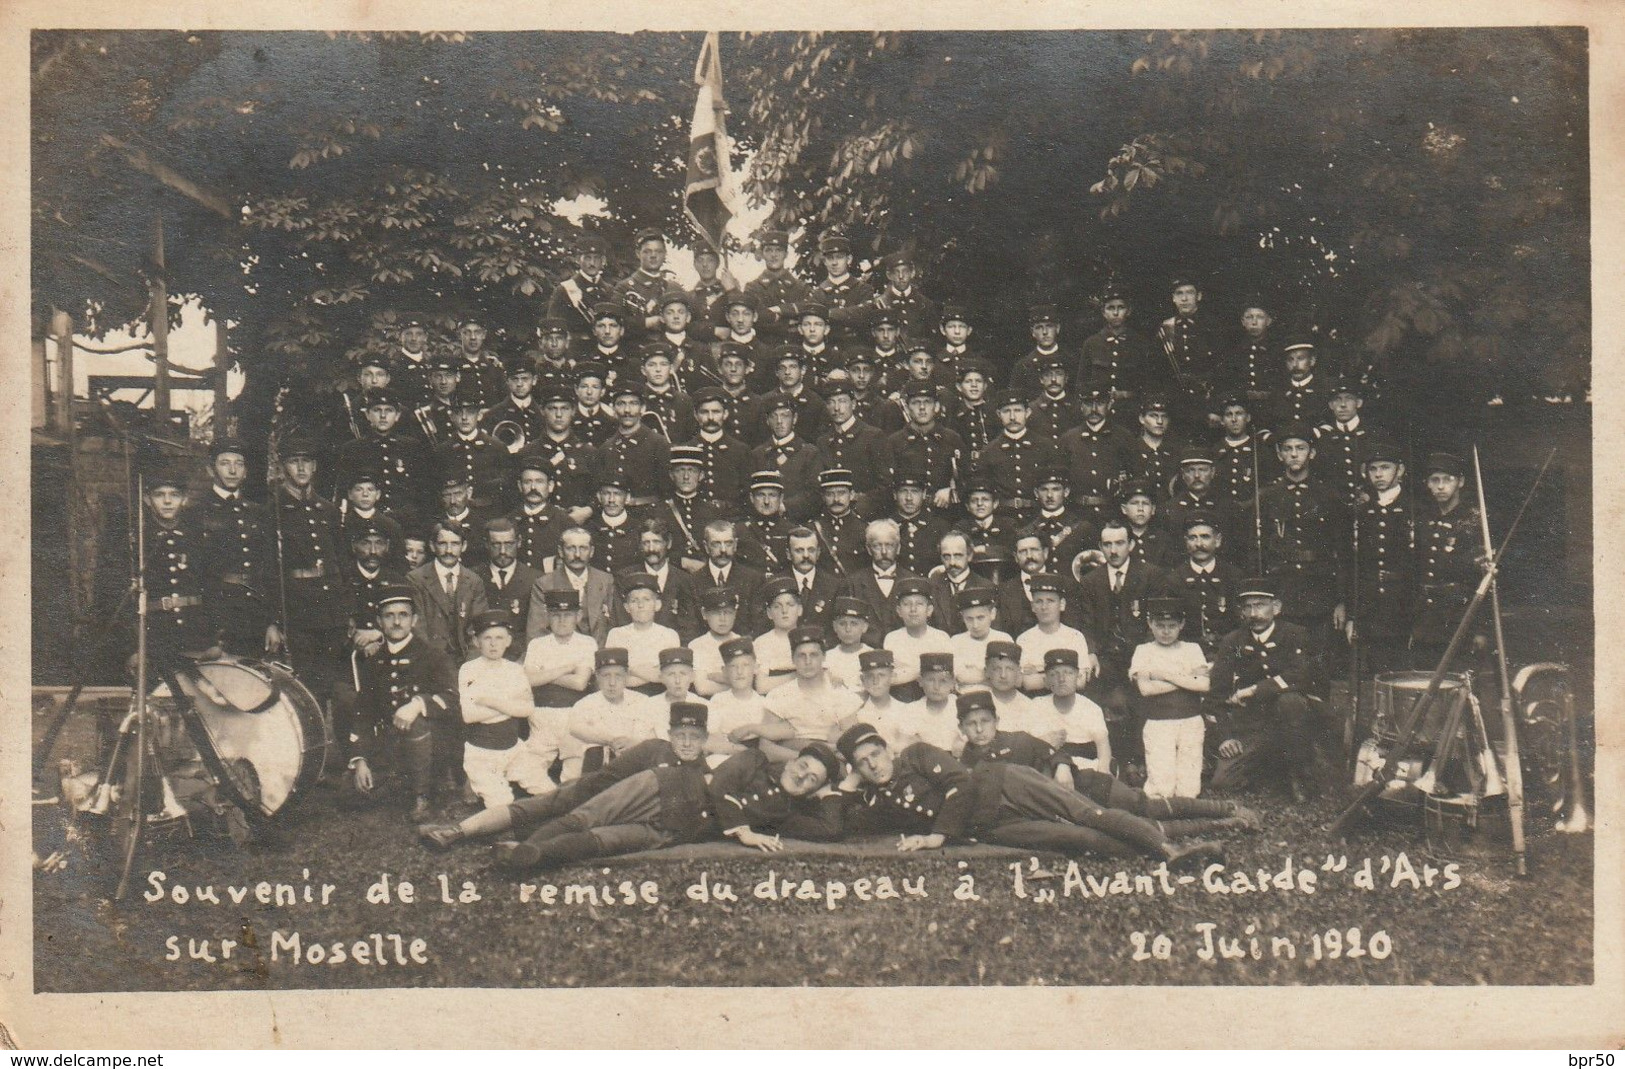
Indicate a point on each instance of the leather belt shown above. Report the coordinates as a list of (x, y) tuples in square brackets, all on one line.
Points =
[(1092, 502), (236, 580), (175, 602), (642, 501), (308, 573)]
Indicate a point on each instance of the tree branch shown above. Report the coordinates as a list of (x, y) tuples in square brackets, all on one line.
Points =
[(139, 159)]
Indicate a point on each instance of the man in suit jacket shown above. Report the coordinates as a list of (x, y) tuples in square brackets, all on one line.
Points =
[(1015, 600), (508, 583), (955, 576), (722, 570), (449, 595), (874, 585), (679, 601), (594, 586), (814, 578)]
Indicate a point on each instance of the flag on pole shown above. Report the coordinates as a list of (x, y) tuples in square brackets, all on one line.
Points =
[(711, 195)]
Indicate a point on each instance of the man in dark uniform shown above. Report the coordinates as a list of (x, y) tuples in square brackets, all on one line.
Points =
[(614, 529), (480, 370), (508, 581), (885, 351), (539, 523), (433, 417), (1241, 462), (776, 291), (1264, 676), (1341, 442), (238, 555), (794, 458), (1153, 455), (370, 575), (520, 407), (734, 366), (1385, 562), (971, 413), (555, 366), (916, 313), (1251, 369), (1449, 542), (1015, 601), (1016, 458), (928, 450), (812, 415), (919, 530), (847, 297), (1197, 496), (741, 309), (575, 460), (574, 299), (924, 793), (1191, 351), (1055, 410), (1046, 331), (989, 529), (870, 402), (839, 528), (706, 298), (1306, 533), (955, 350), (482, 460), (593, 420), (407, 688), (723, 460), (360, 507), (315, 611), (1301, 398), (181, 621), (458, 510), (689, 508), (640, 292), (858, 448), (821, 358), (1207, 583), (1117, 357), (764, 534), (610, 347), (1066, 530), (409, 365), (666, 408), (1137, 507), (635, 456), (690, 349), (372, 372), (1093, 452), (757, 799), (399, 461)]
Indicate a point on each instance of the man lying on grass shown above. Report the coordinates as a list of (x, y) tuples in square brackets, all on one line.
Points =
[(758, 799), (927, 796)]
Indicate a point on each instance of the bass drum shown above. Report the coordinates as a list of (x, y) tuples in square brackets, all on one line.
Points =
[(258, 730)]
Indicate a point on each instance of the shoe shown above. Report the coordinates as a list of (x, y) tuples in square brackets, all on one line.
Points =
[(440, 836), (1194, 854), (420, 810), (514, 857)]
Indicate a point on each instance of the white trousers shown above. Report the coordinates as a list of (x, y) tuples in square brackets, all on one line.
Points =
[(1173, 757)]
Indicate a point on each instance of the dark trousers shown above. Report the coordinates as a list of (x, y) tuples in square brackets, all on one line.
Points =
[(399, 761), (1276, 742), (617, 821), (1020, 806)]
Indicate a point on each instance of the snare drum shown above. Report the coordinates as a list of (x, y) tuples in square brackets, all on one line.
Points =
[(1397, 695), (257, 728)]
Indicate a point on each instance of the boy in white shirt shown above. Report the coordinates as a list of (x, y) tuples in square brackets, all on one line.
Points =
[(1049, 633), (494, 696), (677, 676), (809, 708), (737, 710), (720, 607), (643, 639), (613, 718), (916, 636), (1171, 676), (977, 608), (775, 663), (1086, 743), (559, 668), (850, 621), (935, 719), (1018, 712), (892, 718)]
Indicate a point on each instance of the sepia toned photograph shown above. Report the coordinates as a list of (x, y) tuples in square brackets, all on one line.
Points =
[(852, 509)]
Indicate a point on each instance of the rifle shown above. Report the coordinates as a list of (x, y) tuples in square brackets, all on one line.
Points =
[(1509, 725), (1416, 717), (829, 547), (1258, 509)]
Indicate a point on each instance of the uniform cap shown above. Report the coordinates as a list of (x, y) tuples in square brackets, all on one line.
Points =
[(1299, 340), (1349, 384), (872, 659), (976, 364), (630, 581), (1199, 519), (1300, 431), (468, 395), (1114, 291), (708, 393), (1195, 454), (954, 312), (902, 588), (561, 600), (1134, 488), (610, 657), (766, 480), (976, 701), (719, 597), (627, 389), (1380, 451), (1045, 583), (974, 598), (777, 238), (591, 243), (518, 364), (736, 647), (739, 299), (846, 606), (1257, 586), (803, 636), (1445, 463), (936, 662), (366, 360), (1153, 402), (1165, 608), (357, 478), (226, 444), (837, 385), (373, 398), (1060, 658), (689, 715), (1183, 280), (552, 325), (1011, 397), (1095, 390), (813, 308), (1008, 650), (855, 736), (534, 462), (687, 455), (484, 621), (591, 369), (298, 444), (648, 233), (396, 592), (1041, 313), (885, 317), (660, 347), (922, 389), (897, 259), (909, 479), (772, 588), (671, 297), (677, 655), (446, 363), (609, 310), (367, 529), (830, 478), (835, 243)]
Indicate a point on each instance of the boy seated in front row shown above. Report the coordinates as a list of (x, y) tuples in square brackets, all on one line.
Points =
[(642, 638), (891, 717), (934, 721), (775, 661), (916, 636), (850, 619), (1086, 742), (977, 609), (719, 605), (559, 667), (737, 706), (809, 708), (610, 720), (495, 696), (1171, 676)]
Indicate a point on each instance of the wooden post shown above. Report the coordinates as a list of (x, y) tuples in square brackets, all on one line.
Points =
[(222, 361), (158, 323), (62, 388)]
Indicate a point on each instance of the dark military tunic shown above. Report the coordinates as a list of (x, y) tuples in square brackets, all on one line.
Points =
[(1254, 365), (879, 411), (640, 460), (841, 541), (1024, 373), (918, 551), (917, 315), (777, 293), (1340, 454), (179, 616), (977, 424), (1235, 530), (1386, 566), (641, 292), (1301, 401), (1210, 599), (850, 303), (400, 463), (409, 378), (727, 472), (1156, 464), (1054, 416), (669, 414), (593, 426), (1068, 527), (576, 465), (1014, 467), (994, 536), (1093, 455), (1279, 661), (365, 590), (764, 542), (1122, 360), (350, 520), (239, 564), (937, 455), (551, 377), (1013, 748), (392, 678), (312, 560), (745, 792), (1189, 342), (865, 452), (484, 376), (1233, 470), (470, 523), (1306, 532), (483, 461), (615, 549), (820, 362), (687, 517), (573, 299), (646, 756), (929, 793), (539, 533), (812, 413), (1447, 548), (527, 416), (798, 462)]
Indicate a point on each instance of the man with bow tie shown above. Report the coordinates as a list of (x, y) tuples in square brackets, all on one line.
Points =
[(873, 585)]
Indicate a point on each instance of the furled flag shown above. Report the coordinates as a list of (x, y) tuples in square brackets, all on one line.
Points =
[(710, 196)]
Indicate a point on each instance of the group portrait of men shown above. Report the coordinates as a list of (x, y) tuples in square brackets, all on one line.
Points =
[(805, 559)]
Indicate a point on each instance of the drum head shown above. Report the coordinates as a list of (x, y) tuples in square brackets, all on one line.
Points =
[(257, 748)]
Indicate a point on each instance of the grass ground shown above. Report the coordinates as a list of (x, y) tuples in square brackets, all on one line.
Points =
[(1488, 928)]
